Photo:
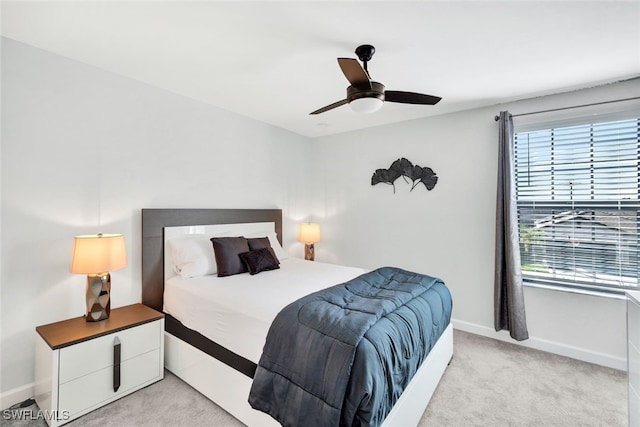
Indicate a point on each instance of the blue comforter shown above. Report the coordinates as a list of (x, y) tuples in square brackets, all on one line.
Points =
[(343, 356)]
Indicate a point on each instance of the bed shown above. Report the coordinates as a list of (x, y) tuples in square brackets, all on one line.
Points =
[(221, 365)]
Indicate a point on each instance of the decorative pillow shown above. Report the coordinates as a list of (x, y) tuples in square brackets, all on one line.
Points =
[(273, 240), (192, 256), (227, 252), (260, 260), (256, 243)]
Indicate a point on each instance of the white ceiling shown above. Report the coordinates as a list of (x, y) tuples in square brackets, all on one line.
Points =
[(276, 61)]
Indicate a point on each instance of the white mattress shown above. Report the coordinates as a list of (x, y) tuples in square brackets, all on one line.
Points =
[(236, 311)]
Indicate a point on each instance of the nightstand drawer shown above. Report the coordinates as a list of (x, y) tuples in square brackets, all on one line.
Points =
[(93, 355), (91, 391)]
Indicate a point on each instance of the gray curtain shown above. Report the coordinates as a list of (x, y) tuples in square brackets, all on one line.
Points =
[(508, 297)]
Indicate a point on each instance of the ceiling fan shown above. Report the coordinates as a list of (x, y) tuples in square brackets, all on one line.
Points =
[(365, 95)]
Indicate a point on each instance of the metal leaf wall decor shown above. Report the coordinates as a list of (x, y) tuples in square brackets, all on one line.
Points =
[(412, 174)]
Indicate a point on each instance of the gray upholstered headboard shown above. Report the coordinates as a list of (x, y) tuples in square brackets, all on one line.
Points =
[(153, 223)]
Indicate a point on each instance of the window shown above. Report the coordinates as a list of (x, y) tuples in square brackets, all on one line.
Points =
[(577, 196)]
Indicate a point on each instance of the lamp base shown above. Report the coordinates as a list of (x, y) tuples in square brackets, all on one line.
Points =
[(309, 252), (98, 296)]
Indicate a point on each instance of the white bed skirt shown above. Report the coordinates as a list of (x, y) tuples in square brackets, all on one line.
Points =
[(229, 388)]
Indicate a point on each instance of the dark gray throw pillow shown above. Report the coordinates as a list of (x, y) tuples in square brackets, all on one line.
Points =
[(227, 252), (256, 243), (260, 260)]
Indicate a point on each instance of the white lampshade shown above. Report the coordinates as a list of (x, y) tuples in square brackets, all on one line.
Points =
[(366, 105), (98, 253), (309, 232)]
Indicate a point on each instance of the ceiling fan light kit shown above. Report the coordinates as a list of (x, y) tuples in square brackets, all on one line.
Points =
[(366, 105), (367, 96), (366, 101)]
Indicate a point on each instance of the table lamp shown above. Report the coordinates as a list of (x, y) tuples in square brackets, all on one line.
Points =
[(309, 233), (96, 255)]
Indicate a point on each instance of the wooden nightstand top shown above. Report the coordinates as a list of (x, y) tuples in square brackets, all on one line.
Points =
[(72, 331)]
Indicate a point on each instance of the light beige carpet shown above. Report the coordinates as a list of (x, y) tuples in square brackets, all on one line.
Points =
[(489, 383), (494, 383)]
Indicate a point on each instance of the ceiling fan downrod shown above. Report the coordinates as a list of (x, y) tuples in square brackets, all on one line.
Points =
[(365, 53)]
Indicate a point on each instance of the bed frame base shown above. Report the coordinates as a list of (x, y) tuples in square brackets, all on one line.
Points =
[(230, 389), (225, 386)]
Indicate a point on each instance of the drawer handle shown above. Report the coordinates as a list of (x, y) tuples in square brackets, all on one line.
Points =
[(116, 364)]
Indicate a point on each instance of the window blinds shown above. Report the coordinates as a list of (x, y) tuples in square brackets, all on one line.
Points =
[(577, 193)]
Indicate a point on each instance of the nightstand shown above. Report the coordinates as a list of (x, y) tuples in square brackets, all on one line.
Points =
[(81, 366)]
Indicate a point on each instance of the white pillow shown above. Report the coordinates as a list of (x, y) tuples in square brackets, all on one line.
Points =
[(273, 241), (193, 256)]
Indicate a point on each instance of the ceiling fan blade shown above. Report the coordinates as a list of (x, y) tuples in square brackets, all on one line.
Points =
[(410, 97), (354, 72), (330, 107)]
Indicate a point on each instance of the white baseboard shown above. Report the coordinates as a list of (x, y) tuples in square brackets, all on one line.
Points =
[(17, 395), (561, 349)]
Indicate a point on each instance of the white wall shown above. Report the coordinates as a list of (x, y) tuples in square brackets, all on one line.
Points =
[(83, 151), (449, 231)]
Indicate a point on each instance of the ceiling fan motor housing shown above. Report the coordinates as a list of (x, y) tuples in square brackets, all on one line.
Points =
[(376, 91)]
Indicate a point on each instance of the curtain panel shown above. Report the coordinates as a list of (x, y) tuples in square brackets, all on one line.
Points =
[(509, 311)]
